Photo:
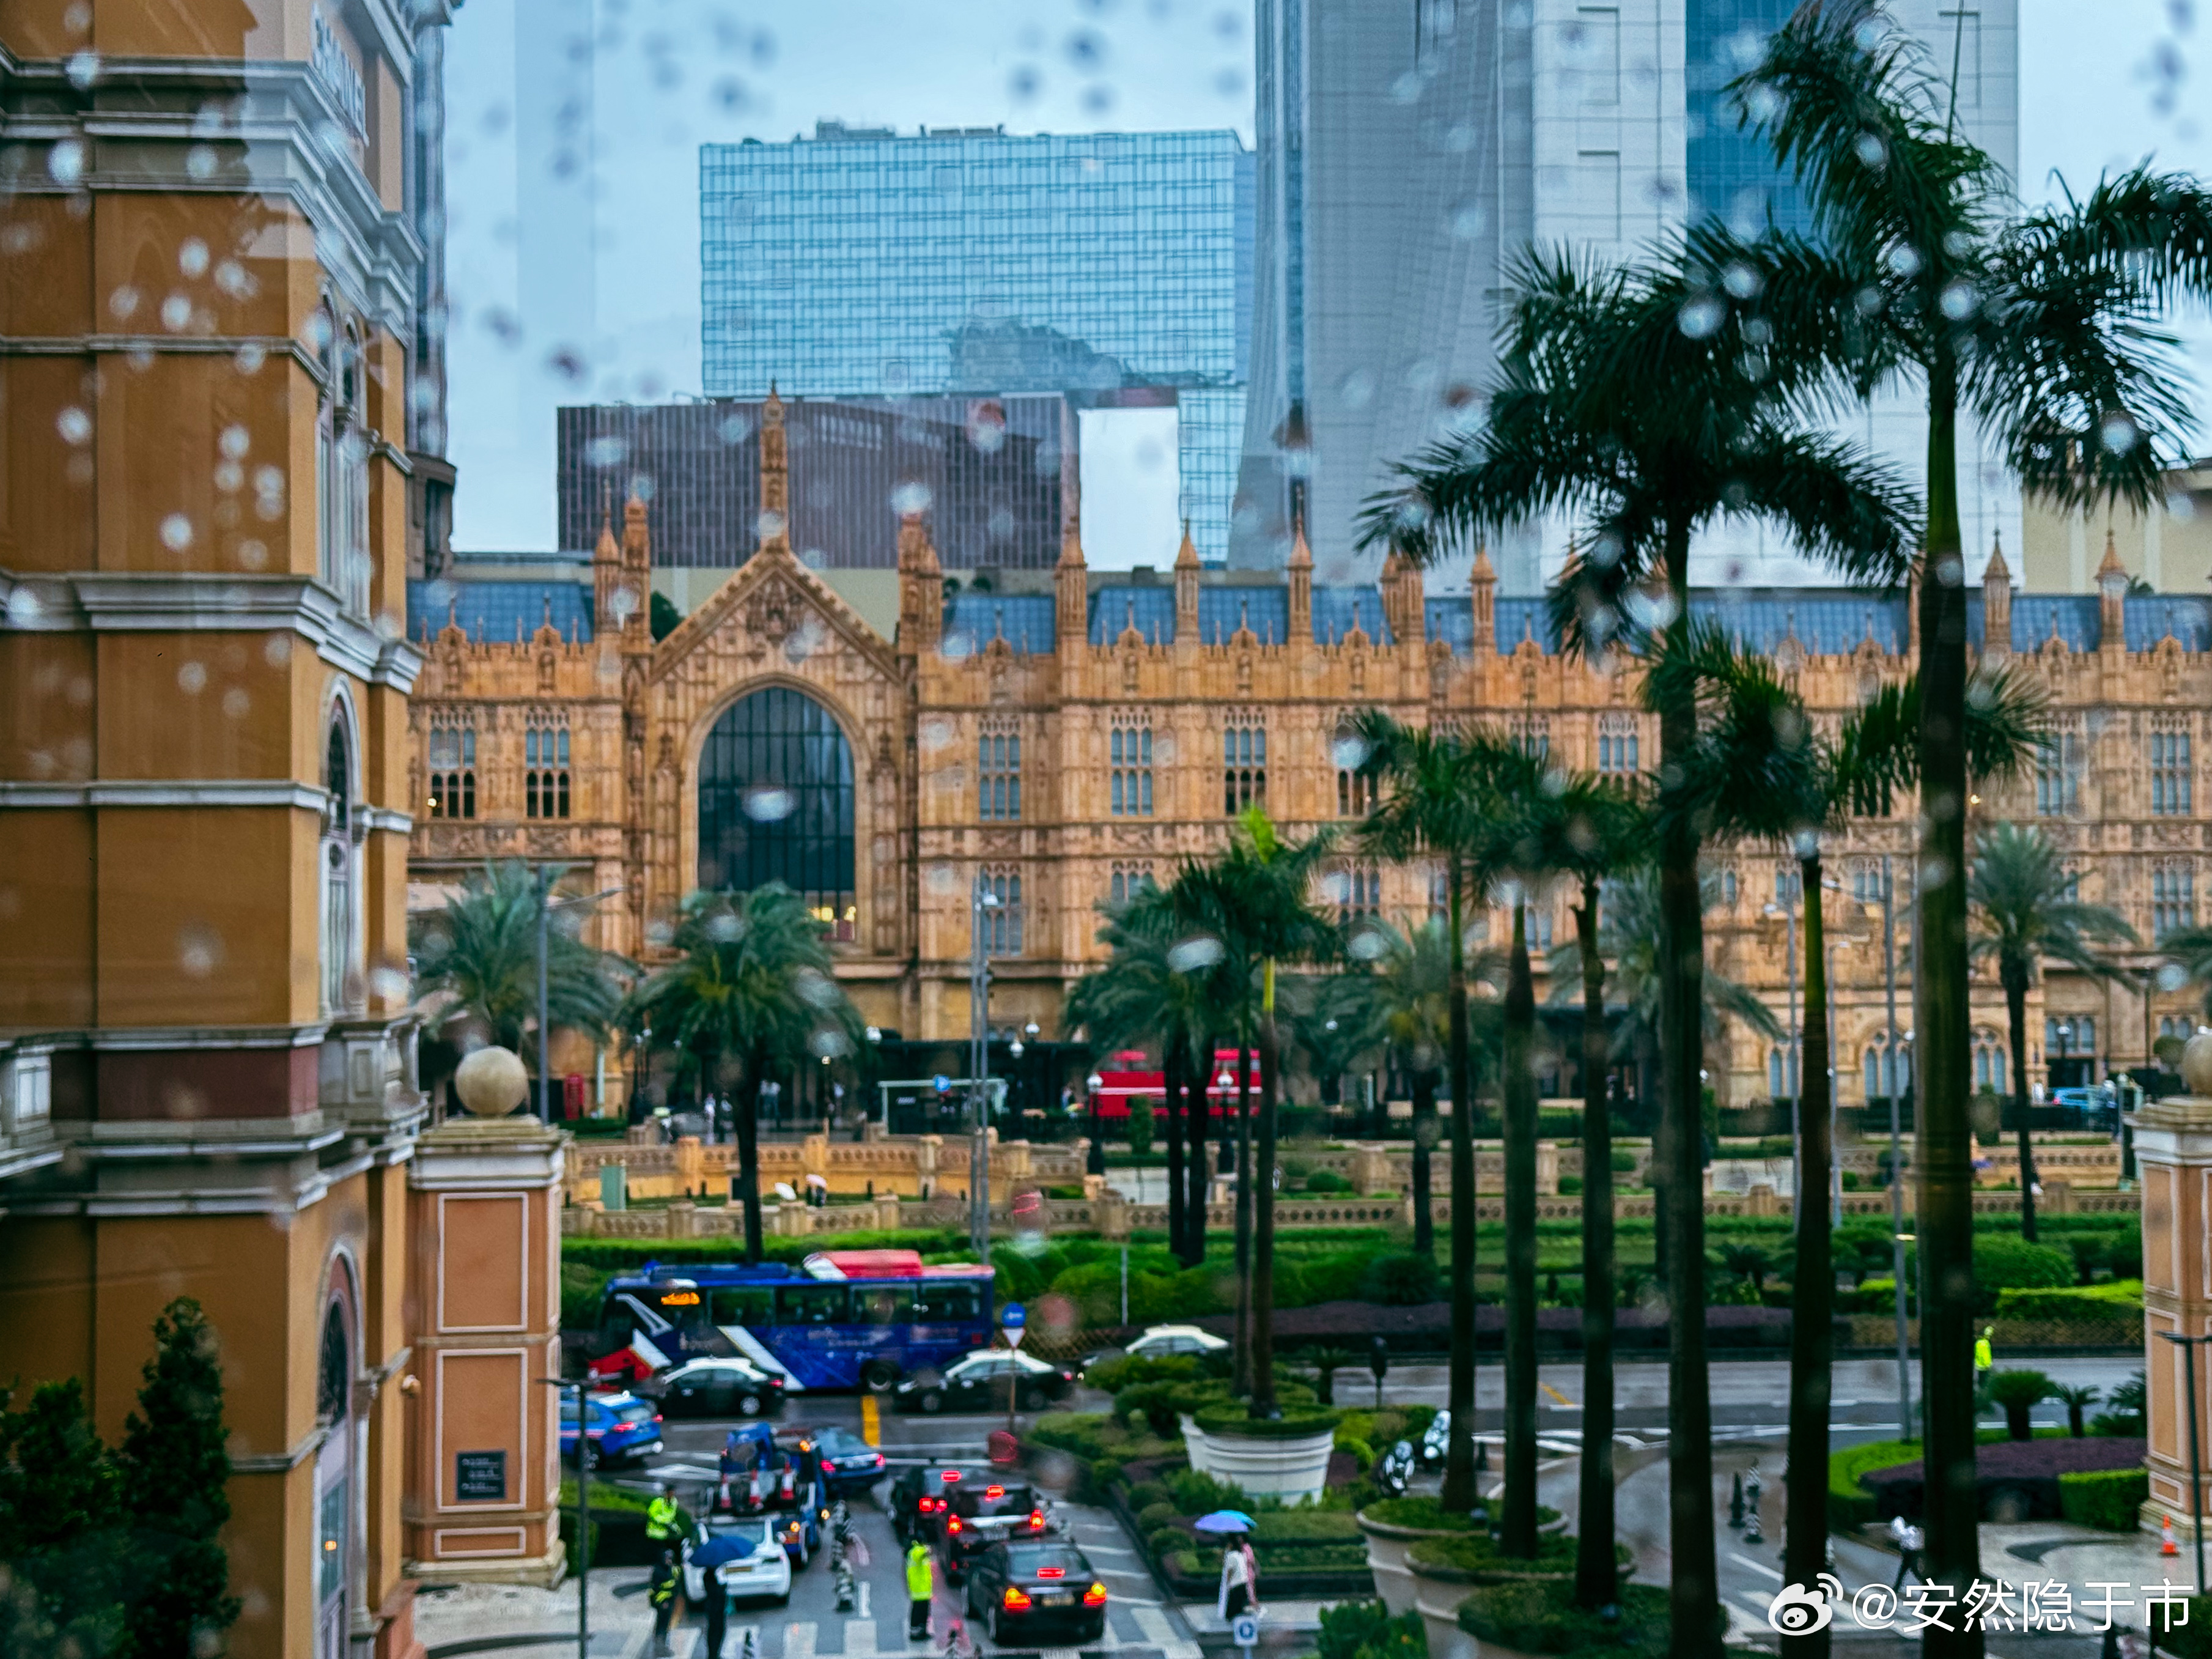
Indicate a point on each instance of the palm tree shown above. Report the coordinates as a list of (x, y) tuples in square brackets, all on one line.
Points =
[(2044, 329), (1333, 1026), (481, 949), (1256, 897), (1650, 421), (749, 997), (1432, 807), (2026, 914), (1413, 993)]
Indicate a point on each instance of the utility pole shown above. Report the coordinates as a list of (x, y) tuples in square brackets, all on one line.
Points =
[(1890, 1058), (979, 1069), (547, 874)]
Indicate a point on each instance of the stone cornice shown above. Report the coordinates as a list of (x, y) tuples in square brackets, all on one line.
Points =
[(160, 602)]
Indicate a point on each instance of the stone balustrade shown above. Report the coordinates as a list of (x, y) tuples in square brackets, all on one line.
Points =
[(908, 1165)]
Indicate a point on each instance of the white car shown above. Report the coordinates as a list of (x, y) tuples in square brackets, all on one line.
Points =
[(766, 1572), (1160, 1340)]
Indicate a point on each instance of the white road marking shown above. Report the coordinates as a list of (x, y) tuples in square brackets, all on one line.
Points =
[(1756, 1566), (859, 1638), (799, 1639), (864, 1598), (1107, 1549), (1153, 1622)]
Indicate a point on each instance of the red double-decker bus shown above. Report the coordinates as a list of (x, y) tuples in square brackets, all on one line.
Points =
[(1123, 1078)]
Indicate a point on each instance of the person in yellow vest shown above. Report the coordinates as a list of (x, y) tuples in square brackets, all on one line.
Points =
[(660, 1517), (921, 1586), (660, 1592), (1984, 1355)]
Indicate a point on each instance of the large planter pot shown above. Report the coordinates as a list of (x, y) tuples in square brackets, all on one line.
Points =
[(1386, 1559), (1439, 1586), (1288, 1467)]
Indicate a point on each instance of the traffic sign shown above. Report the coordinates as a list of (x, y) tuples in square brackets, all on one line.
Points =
[(1244, 1631), (942, 1084), (1012, 1320)]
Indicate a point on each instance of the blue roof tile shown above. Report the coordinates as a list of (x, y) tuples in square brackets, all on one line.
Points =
[(975, 619), (2151, 617), (1452, 621), (1827, 622), (1223, 611), (1151, 610), (499, 610), (2035, 615), (1519, 619), (1335, 609)]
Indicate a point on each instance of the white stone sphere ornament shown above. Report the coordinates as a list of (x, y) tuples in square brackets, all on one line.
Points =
[(491, 1082), (2196, 1064)]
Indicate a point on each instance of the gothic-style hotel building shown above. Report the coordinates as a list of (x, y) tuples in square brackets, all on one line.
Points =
[(1062, 744)]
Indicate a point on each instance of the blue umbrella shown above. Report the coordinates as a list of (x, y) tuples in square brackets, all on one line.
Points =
[(1225, 1521), (720, 1551)]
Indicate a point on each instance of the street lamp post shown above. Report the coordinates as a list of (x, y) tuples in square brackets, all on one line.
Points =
[(1896, 1151), (583, 1514), (1094, 1161), (547, 875), (979, 1069), (2195, 1455), (1793, 1082)]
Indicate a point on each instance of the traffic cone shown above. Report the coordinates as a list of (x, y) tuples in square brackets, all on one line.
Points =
[(2166, 1544)]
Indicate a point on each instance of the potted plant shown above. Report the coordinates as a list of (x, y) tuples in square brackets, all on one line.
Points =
[(1393, 1525), (1285, 1456)]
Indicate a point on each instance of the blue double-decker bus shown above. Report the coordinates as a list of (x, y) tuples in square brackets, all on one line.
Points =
[(842, 1319)]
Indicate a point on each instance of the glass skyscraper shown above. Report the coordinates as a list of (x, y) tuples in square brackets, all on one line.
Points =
[(859, 262), (1731, 169)]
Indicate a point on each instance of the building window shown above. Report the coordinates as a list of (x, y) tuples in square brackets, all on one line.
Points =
[(2172, 900), (1866, 883), (1888, 1072), (1439, 894), (1243, 763), (338, 871), (1127, 881), (1780, 1074), (999, 771), (2169, 774), (1129, 757), (1356, 890), (1355, 794), (1728, 888), (1616, 747), (1539, 928), (1001, 921), (776, 803), (2058, 775), (1531, 734), (1990, 1066), (2069, 1038), (545, 768), (453, 768), (2176, 1025), (1789, 883)]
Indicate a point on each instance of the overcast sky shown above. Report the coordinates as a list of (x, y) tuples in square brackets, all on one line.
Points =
[(2101, 85)]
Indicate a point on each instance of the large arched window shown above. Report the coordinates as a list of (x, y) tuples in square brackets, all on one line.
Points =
[(775, 803), (338, 861), (334, 1485)]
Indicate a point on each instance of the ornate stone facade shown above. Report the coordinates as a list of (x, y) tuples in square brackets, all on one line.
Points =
[(1067, 740)]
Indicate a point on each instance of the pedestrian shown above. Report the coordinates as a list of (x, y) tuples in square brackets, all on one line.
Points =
[(718, 1613), (1909, 1540), (660, 1591), (921, 1585), (1985, 1356), (660, 1517), (1236, 1593)]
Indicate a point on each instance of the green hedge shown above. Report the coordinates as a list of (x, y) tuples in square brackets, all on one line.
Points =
[(1365, 1629), (628, 1254), (1479, 1556), (2107, 1499), (1230, 1418), (1540, 1616), (2077, 1302), (1851, 1505), (1420, 1513)]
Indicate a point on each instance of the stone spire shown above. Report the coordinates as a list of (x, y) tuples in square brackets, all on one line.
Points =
[(1186, 583), (1070, 617), (1482, 586), (606, 574), (2111, 599), (1301, 584), (1996, 603), (636, 575), (775, 529), (921, 589)]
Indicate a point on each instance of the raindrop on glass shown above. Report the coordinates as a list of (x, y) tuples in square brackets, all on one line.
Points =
[(768, 803), (176, 533)]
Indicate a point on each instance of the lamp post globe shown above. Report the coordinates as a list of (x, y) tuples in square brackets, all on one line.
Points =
[(1094, 1161)]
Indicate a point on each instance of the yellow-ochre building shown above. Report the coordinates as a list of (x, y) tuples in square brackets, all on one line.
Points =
[(1060, 736), (220, 413)]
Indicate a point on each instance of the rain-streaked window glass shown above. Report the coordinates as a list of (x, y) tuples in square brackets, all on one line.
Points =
[(999, 770), (2169, 774), (545, 767), (1129, 768), (1243, 763), (453, 754)]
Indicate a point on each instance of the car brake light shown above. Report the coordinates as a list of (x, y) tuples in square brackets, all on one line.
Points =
[(1052, 1572), (879, 1459), (1095, 1595), (1036, 1520), (1016, 1600), (994, 1491), (952, 1524), (950, 1477)]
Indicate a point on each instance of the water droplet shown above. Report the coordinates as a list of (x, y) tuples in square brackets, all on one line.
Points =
[(236, 703), (74, 424), (191, 679), (199, 161), (1350, 752), (1702, 316), (2118, 433), (176, 312), (767, 803), (228, 476), (24, 608), (65, 162), (1958, 301), (1870, 151), (1192, 955), (253, 555), (235, 442), (176, 533), (910, 499), (83, 69), (192, 257), (276, 650), (199, 950), (250, 357)]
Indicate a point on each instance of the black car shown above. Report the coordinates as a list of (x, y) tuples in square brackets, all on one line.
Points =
[(846, 1462), (1035, 1593), (719, 1387), (979, 1383), (982, 1515), (921, 1498)]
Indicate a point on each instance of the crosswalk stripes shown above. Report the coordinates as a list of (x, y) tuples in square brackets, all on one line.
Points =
[(799, 1639), (1153, 1622), (859, 1638)]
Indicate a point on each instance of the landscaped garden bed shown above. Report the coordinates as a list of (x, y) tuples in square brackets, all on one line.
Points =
[(2017, 1480)]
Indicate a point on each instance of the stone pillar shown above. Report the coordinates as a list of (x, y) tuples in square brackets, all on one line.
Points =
[(1112, 1211), (2173, 1152), (1548, 1169), (887, 1211), (483, 1457), (1370, 1170), (813, 1158), (690, 1166)]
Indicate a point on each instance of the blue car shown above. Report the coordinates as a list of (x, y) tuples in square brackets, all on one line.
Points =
[(621, 1428), (849, 1464)]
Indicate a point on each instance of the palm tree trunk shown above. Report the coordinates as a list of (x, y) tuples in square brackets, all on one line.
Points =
[(1424, 1137), (747, 1114), (1459, 1493), (1263, 1233), (1595, 1576), (1191, 1247), (1241, 1382), (1517, 1533), (1946, 1220), (1171, 1071), (1812, 1337), (2015, 990), (1694, 1592)]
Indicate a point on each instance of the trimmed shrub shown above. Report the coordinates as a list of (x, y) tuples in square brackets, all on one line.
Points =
[(2107, 1499), (1851, 1505), (1230, 1418), (1540, 1616), (1570, 1186), (1402, 1280), (1196, 1493), (1419, 1514), (1477, 1555), (1112, 1375), (2074, 1302), (1327, 1181), (1352, 1630), (1335, 1277)]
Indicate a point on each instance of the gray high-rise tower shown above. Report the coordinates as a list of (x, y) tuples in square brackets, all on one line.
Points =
[(1409, 150)]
